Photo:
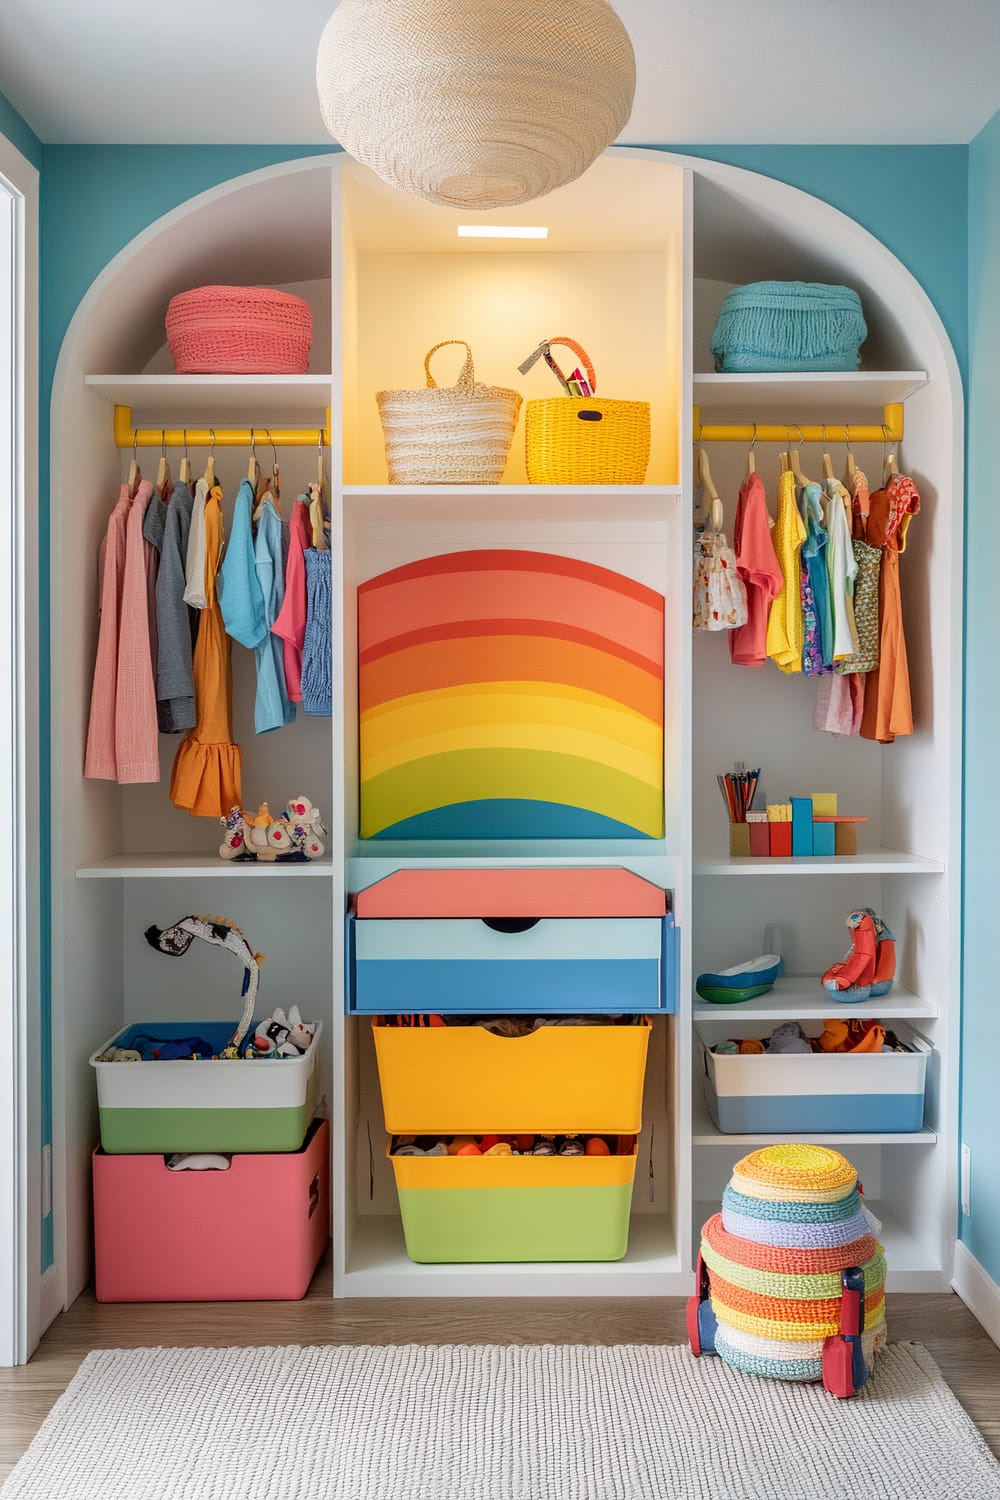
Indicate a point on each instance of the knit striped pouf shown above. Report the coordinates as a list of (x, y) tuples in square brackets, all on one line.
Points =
[(792, 1219)]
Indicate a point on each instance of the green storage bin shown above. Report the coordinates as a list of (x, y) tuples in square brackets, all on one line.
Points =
[(514, 1208)]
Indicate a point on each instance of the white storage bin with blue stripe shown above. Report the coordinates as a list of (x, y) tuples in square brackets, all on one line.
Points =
[(796, 1093), (544, 940)]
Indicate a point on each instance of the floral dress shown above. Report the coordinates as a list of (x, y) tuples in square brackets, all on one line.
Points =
[(720, 598)]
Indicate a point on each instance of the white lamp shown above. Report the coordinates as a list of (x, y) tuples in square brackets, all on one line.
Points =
[(475, 103)]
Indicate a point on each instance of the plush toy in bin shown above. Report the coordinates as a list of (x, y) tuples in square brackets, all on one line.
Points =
[(791, 1279)]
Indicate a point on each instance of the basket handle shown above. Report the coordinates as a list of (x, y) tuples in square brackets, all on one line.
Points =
[(584, 358), (466, 375)]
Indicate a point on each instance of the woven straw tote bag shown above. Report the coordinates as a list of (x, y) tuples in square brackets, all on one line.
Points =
[(457, 434)]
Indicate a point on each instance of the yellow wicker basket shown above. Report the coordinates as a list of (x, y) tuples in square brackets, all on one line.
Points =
[(583, 440)]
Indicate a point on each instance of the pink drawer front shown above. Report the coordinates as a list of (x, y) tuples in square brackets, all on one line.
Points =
[(252, 1233)]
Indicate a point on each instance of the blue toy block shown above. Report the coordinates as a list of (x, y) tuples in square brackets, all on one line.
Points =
[(824, 838), (802, 825)]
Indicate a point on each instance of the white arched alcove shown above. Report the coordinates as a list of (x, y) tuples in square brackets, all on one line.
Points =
[(639, 254)]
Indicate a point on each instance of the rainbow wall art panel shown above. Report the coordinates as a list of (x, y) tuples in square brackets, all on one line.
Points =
[(510, 694)]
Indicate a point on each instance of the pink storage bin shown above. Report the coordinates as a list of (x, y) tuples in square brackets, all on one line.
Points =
[(239, 330), (253, 1233)]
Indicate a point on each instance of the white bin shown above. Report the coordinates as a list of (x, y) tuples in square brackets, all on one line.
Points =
[(826, 1092)]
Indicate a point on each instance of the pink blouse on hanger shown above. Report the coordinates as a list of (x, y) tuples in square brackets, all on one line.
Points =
[(100, 762), (136, 743), (291, 622)]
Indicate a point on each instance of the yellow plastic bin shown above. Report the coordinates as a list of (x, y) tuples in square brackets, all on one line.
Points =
[(514, 1208), (464, 1080)]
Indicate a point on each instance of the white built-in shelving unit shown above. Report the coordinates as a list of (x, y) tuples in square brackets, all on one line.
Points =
[(640, 252)]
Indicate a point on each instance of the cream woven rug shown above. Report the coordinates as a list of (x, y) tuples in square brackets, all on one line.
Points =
[(494, 1423)]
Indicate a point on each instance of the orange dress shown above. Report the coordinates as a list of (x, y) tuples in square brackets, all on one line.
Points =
[(888, 710), (206, 774)]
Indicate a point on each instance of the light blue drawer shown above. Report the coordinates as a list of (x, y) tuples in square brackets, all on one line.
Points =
[(549, 965)]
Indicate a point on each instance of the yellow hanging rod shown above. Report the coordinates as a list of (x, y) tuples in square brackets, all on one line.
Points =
[(890, 431), (127, 436)]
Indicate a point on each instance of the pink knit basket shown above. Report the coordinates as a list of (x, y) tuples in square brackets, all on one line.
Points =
[(239, 330)]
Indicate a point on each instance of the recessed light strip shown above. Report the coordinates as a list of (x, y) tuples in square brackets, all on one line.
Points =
[(502, 232)]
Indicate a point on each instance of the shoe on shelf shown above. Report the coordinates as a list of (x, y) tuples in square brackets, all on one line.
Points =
[(851, 979)]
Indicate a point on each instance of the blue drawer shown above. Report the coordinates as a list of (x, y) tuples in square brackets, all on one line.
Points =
[(552, 965)]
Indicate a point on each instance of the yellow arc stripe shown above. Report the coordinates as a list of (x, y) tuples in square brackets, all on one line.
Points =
[(538, 737), (521, 775)]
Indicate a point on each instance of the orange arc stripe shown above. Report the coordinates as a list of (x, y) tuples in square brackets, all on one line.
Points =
[(422, 603), (460, 630), (506, 559), (444, 664)]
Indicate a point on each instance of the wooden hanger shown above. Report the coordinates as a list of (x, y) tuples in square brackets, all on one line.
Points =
[(185, 467), (888, 462), (253, 467), (316, 519), (712, 511), (163, 467), (209, 475), (851, 466), (751, 461), (783, 461), (796, 464), (315, 492), (827, 460), (134, 472)]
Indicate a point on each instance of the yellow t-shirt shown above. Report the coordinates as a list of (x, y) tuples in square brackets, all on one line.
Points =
[(784, 624)]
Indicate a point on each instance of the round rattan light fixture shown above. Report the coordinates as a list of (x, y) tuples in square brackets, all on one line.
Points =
[(477, 104)]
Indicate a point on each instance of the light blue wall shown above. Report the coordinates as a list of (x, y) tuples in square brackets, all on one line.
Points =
[(96, 198), (981, 1016), (20, 134)]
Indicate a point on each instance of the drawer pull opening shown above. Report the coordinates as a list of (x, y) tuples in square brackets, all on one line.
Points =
[(511, 924)]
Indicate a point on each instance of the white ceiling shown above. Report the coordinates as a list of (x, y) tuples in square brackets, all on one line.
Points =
[(710, 71)]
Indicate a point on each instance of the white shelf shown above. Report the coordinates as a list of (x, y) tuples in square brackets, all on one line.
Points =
[(607, 504), (193, 866), (870, 862), (203, 400), (800, 395), (798, 997), (911, 1267), (378, 1266), (704, 1133)]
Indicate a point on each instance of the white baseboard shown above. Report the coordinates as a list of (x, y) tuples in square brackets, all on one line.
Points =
[(977, 1290)]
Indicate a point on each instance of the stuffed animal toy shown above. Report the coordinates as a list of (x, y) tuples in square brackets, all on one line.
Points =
[(286, 1036), (305, 827)]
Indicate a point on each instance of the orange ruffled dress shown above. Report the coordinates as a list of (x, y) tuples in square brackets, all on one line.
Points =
[(888, 709), (206, 774)]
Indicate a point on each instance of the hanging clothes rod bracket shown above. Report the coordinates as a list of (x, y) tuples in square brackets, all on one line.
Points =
[(890, 430), (126, 436)]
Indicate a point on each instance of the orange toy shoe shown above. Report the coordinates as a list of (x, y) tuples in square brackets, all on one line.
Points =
[(851, 979), (885, 959)]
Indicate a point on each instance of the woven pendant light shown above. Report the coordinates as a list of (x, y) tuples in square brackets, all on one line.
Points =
[(476, 104)]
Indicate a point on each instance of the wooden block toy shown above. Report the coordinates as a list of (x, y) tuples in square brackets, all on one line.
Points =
[(760, 839), (824, 840), (802, 825), (739, 840), (824, 804), (781, 840), (845, 837)]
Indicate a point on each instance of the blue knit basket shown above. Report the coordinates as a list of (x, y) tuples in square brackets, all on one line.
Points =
[(789, 325)]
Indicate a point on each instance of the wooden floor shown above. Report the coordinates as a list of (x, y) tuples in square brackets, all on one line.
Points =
[(968, 1359)]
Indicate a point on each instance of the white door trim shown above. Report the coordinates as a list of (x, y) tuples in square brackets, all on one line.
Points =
[(20, 1031)]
